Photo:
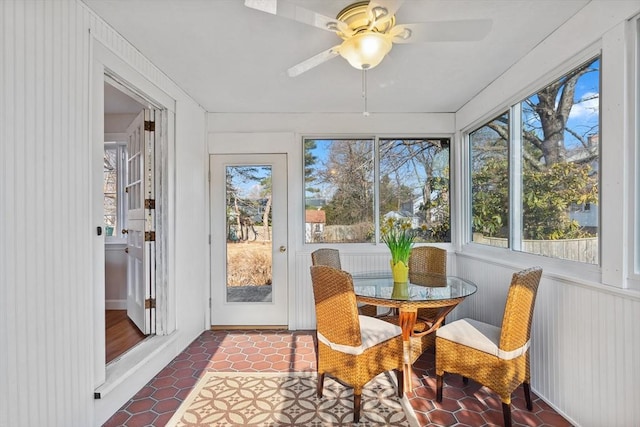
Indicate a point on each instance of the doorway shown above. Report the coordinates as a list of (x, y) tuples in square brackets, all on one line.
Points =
[(249, 286), (129, 219)]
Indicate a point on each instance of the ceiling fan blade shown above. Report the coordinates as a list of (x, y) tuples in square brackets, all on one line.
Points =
[(314, 61), (289, 10), (391, 7), (442, 31)]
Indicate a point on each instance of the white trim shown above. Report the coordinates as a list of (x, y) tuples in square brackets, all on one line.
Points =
[(632, 102)]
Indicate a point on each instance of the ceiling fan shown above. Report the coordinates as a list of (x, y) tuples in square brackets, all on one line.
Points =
[(369, 30)]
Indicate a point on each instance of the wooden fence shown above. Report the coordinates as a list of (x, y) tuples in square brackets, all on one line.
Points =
[(582, 250)]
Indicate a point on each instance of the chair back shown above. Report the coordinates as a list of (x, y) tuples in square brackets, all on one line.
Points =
[(336, 308), (427, 259), (326, 256), (518, 313)]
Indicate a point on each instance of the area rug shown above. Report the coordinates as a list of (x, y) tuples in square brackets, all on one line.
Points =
[(289, 399)]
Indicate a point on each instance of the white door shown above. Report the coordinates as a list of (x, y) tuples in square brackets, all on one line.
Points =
[(141, 222), (249, 240)]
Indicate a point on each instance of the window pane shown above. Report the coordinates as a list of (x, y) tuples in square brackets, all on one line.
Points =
[(560, 164), (339, 190), (489, 146), (249, 243), (414, 185), (110, 189)]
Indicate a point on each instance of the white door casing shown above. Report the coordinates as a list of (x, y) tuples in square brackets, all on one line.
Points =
[(229, 313), (141, 222)]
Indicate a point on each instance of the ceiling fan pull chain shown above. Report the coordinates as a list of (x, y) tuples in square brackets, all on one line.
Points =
[(364, 92)]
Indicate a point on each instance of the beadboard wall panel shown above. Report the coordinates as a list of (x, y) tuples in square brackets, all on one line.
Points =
[(45, 275), (585, 343)]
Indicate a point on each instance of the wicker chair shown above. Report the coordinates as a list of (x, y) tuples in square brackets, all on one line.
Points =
[(495, 357), (351, 348), (427, 259), (331, 257)]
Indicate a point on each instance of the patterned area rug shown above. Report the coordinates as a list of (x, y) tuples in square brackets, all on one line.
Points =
[(289, 399)]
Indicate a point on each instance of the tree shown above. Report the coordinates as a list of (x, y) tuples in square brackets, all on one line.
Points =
[(349, 171), (559, 164), (267, 188), (420, 169)]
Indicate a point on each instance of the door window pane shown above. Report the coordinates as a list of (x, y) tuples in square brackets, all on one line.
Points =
[(249, 243)]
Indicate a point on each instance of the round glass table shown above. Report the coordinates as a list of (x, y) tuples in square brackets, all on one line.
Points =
[(423, 290)]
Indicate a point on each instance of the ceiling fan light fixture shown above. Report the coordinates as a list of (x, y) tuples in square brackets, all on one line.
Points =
[(366, 49)]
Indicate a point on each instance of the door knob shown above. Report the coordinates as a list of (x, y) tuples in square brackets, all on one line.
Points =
[(283, 249), (125, 231)]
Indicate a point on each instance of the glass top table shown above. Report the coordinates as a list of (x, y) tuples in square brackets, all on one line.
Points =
[(424, 290)]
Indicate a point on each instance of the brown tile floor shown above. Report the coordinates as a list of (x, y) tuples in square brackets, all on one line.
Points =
[(275, 351)]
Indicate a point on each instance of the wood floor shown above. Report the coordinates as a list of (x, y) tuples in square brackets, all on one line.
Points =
[(121, 333)]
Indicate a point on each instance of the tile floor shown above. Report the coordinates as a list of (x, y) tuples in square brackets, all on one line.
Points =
[(258, 350)]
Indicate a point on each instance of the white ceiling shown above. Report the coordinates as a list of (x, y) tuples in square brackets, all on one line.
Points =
[(117, 102), (231, 58)]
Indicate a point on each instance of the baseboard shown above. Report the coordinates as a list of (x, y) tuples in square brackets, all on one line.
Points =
[(115, 304)]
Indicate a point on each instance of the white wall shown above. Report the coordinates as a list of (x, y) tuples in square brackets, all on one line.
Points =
[(586, 334), (48, 237), (115, 285), (302, 312)]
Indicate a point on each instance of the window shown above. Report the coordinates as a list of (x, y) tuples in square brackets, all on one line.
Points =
[(115, 158), (414, 184), (346, 196), (489, 154), (551, 173)]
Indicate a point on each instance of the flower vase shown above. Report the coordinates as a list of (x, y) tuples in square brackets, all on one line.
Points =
[(400, 290), (400, 272)]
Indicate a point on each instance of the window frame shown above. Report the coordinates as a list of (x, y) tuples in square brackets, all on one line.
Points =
[(376, 242), (589, 273), (633, 103)]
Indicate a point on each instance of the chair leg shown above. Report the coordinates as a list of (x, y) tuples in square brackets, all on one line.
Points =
[(400, 376), (320, 384), (439, 388), (357, 398), (506, 414), (527, 395)]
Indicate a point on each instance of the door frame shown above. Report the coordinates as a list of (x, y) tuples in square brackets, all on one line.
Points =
[(287, 143), (105, 64)]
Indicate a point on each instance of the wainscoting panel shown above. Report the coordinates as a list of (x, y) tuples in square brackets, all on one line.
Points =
[(585, 343)]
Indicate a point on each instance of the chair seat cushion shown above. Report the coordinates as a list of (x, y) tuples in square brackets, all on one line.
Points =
[(373, 332), (479, 335)]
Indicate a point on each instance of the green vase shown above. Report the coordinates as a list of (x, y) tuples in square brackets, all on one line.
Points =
[(400, 290)]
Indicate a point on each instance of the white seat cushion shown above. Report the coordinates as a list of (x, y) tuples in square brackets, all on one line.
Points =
[(372, 331), (479, 335)]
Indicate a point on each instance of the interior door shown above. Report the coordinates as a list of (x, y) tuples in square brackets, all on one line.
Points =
[(249, 240), (141, 222)]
